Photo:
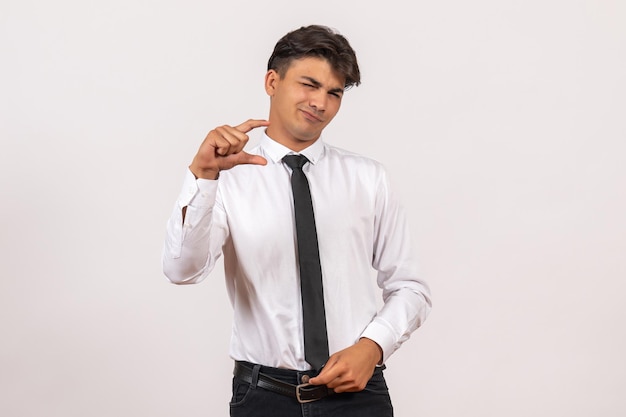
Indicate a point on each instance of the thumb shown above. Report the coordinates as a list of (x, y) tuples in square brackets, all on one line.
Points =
[(246, 158)]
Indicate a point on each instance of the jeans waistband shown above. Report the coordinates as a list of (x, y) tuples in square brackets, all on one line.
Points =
[(290, 376)]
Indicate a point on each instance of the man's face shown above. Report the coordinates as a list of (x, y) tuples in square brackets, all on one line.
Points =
[(303, 102)]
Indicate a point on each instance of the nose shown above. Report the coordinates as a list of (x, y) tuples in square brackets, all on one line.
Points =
[(318, 100)]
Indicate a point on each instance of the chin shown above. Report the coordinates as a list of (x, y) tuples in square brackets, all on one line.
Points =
[(308, 135)]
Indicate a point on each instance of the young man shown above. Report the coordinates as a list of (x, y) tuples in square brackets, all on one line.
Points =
[(301, 224)]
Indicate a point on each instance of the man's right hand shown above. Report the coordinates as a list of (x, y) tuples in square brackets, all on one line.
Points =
[(223, 149)]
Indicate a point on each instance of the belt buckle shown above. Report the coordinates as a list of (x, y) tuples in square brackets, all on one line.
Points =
[(299, 394)]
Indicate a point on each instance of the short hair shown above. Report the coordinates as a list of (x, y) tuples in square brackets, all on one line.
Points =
[(316, 41)]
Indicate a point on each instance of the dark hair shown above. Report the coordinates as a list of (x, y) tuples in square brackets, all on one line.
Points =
[(318, 41)]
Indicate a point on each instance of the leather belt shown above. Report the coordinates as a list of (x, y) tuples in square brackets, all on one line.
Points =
[(304, 393)]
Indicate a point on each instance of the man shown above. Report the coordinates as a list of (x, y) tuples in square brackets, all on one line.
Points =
[(308, 337)]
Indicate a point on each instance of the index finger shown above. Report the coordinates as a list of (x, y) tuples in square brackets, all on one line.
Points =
[(250, 124)]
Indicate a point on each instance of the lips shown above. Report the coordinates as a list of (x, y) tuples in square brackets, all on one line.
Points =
[(311, 116)]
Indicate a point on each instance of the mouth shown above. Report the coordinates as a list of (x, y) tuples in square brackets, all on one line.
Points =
[(312, 116)]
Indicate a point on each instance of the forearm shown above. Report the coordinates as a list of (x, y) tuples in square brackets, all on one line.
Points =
[(194, 234), (403, 312)]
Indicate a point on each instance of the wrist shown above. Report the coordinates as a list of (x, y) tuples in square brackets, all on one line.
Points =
[(377, 351), (205, 174)]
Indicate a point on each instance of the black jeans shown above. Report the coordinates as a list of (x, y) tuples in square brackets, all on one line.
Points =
[(253, 401)]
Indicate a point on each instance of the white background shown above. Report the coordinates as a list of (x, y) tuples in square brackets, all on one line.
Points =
[(502, 124)]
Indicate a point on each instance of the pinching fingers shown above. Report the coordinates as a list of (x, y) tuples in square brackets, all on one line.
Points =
[(229, 140), (250, 124)]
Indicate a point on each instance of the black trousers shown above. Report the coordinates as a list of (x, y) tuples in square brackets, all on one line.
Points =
[(253, 401)]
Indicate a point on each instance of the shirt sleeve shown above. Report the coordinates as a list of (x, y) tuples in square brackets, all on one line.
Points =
[(193, 245), (406, 297)]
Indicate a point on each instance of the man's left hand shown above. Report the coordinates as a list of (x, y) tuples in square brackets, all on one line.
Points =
[(349, 370)]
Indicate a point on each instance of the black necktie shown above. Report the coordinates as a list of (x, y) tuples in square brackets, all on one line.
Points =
[(314, 316)]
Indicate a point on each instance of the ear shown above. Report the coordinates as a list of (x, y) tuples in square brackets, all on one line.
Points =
[(271, 80)]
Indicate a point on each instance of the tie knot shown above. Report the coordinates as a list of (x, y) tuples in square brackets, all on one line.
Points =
[(295, 161)]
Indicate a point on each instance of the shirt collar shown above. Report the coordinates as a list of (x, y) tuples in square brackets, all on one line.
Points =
[(275, 151)]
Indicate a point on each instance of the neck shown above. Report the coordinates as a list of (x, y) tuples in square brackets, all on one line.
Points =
[(289, 141)]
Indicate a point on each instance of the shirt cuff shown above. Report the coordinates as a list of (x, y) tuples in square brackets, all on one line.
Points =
[(199, 192), (381, 334)]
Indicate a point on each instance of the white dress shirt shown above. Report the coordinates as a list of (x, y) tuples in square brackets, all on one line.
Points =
[(247, 215)]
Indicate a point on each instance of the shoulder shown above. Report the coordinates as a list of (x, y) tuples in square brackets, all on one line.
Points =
[(361, 168), (352, 159)]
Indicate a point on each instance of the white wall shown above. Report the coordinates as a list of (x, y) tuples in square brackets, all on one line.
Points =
[(502, 124)]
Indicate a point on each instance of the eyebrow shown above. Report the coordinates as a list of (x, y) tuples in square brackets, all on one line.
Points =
[(318, 84)]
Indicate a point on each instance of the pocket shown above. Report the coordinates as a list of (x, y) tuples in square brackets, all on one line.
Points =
[(240, 392)]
